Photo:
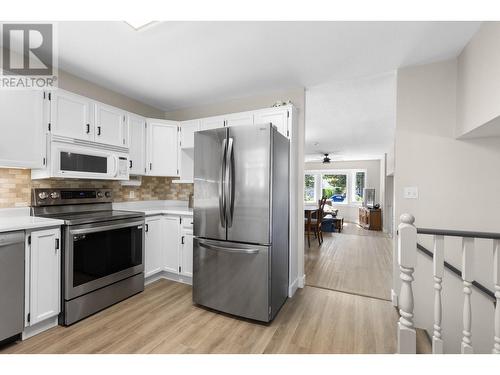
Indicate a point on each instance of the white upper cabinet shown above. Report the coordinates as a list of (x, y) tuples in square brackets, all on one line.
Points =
[(239, 119), (75, 116), (70, 115), (212, 123), (171, 236), (44, 288), (278, 117), (137, 144), (110, 125), (187, 132), (162, 148), (22, 141)]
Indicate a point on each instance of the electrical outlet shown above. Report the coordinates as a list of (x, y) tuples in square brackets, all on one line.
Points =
[(411, 192), (131, 194)]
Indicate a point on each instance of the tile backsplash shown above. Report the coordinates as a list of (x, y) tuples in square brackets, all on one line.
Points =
[(16, 185)]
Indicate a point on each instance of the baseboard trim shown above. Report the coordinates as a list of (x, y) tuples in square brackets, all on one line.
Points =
[(299, 282), (394, 298), (168, 276), (39, 327), (292, 288), (302, 281)]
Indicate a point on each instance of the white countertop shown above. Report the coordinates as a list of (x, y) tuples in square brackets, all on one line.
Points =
[(12, 219), (150, 208)]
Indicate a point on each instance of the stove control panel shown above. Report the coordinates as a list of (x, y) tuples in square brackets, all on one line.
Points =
[(54, 197)]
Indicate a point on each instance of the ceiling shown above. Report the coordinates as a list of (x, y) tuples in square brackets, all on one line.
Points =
[(352, 119), (173, 65)]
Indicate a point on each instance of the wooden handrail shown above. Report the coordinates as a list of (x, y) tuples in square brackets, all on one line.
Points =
[(459, 233), (458, 273), (407, 250)]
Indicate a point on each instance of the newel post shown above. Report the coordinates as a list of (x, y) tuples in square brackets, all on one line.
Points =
[(407, 258)]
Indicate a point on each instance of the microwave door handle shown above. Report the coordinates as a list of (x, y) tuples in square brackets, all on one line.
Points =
[(115, 162)]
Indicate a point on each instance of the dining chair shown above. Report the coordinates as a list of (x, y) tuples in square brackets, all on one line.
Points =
[(313, 224)]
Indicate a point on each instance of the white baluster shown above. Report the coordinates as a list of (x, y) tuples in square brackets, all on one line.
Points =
[(467, 267), (407, 257), (496, 281), (438, 269)]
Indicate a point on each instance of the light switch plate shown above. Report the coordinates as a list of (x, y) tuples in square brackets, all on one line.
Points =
[(411, 192), (131, 194)]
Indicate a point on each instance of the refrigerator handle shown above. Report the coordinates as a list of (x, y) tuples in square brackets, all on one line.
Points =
[(229, 188), (222, 181), (229, 249)]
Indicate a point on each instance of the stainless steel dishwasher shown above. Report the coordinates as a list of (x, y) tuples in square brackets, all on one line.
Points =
[(11, 284)]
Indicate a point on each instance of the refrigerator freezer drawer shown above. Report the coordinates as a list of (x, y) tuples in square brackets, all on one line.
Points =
[(232, 278)]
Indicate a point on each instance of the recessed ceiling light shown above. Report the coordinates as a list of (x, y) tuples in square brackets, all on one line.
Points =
[(140, 24)]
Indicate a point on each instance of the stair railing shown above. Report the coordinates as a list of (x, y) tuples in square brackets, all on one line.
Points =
[(407, 257)]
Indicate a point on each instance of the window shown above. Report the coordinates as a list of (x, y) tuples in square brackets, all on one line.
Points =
[(334, 187), (310, 188), (342, 186), (359, 185)]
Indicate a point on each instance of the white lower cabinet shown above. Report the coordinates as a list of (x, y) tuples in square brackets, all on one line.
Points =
[(43, 275), (187, 254), (171, 238), (169, 247), (153, 254)]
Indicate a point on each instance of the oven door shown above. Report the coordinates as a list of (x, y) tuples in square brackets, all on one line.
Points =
[(100, 254)]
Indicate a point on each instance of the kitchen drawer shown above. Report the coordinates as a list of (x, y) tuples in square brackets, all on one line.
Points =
[(187, 223)]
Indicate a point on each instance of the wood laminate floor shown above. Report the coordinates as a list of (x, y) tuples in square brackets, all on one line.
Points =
[(356, 261), (163, 319)]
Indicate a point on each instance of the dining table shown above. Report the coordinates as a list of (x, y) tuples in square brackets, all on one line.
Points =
[(309, 211)]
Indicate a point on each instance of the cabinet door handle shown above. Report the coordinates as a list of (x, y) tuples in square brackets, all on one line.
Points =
[(130, 162), (88, 128), (98, 130), (57, 243), (150, 166), (147, 227)]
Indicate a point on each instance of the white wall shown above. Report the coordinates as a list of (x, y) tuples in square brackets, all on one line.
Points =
[(86, 88), (457, 182), (297, 97), (478, 83), (350, 211)]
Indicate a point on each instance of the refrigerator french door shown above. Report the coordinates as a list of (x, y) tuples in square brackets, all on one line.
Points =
[(241, 205)]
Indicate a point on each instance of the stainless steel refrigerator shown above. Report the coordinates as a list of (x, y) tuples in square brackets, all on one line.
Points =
[(241, 216)]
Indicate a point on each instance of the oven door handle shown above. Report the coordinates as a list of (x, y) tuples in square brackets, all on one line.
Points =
[(103, 228)]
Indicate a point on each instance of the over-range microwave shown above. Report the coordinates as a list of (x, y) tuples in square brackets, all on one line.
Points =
[(73, 159)]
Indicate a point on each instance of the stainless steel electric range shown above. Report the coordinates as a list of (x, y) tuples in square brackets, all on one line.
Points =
[(103, 249)]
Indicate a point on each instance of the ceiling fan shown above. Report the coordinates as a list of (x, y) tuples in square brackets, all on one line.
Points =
[(323, 157)]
